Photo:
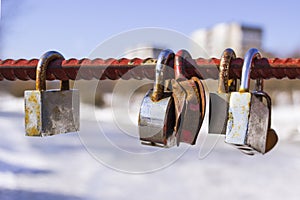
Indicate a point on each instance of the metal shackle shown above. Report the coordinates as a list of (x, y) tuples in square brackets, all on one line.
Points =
[(227, 56), (41, 70), (164, 59), (259, 93), (179, 67), (246, 70)]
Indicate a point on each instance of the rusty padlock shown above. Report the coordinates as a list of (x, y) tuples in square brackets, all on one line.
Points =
[(219, 102), (249, 119), (50, 112), (157, 112), (189, 98)]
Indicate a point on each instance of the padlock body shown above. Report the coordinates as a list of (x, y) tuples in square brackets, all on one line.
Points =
[(157, 120), (191, 116), (51, 112), (218, 112), (258, 125), (247, 121)]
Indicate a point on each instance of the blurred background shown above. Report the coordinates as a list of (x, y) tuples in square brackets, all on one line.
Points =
[(82, 166)]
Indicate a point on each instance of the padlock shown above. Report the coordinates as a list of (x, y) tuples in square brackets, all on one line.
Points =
[(157, 112), (50, 112), (219, 101), (272, 137), (189, 98), (248, 117)]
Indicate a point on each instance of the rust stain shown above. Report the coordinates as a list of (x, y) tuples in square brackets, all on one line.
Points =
[(33, 115), (230, 119), (236, 134), (32, 131), (32, 98), (243, 109), (27, 113), (242, 90)]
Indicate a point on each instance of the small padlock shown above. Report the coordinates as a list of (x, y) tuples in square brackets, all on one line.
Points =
[(50, 112), (248, 117), (157, 112), (219, 102), (189, 98)]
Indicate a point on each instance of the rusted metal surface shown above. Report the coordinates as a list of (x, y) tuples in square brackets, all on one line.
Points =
[(193, 116), (87, 69), (189, 98), (227, 56), (41, 70), (179, 96), (219, 101), (50, 112), (163, 61), (33, 113)]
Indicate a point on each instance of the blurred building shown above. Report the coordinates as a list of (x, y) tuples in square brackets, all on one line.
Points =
[(143, 51), (237, 36)]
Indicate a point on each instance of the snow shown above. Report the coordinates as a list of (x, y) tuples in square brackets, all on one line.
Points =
[(106, 161)]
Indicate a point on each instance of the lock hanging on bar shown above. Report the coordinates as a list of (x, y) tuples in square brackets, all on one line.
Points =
[(249, 119), (157, 112), (219, 102), (189, 98), (50, 112)]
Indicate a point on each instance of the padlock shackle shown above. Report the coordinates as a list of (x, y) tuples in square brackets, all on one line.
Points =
[(41, 70), (226, 58), (259, 84), (181, 57), (163, 60), (246, 70)]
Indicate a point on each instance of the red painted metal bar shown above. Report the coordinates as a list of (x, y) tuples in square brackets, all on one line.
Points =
[(138, 68)]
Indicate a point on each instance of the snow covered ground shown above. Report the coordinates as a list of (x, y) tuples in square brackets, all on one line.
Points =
[(106, 161)]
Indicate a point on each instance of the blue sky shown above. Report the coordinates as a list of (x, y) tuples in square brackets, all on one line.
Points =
[(31, 27)]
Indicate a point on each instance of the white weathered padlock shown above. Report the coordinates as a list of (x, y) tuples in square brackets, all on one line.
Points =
[(50, 112), (157, 112), (248, 117)]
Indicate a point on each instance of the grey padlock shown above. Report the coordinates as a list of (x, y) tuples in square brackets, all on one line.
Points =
[(50, 112), (248, 117), (157, 112), (219, 101), (271, 138)]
